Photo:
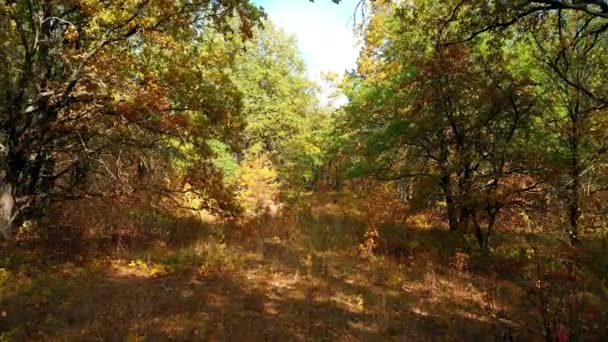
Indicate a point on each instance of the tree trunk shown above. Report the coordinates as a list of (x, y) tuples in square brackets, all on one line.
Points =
[(574, 205), (574, 212), (483, 238), (338, 179), (451, 206), (7, 202)]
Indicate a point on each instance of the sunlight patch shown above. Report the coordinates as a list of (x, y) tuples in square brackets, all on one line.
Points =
[(137, 269)]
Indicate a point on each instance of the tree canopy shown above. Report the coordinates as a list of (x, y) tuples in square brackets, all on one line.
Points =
[(491, 122)]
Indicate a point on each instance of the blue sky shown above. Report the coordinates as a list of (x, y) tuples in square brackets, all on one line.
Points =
[(324, 31)]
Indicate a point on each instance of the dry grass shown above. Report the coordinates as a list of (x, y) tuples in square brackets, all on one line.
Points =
[(297, 278)]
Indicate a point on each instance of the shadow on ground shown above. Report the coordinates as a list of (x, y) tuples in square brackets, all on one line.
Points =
[(308, 286)]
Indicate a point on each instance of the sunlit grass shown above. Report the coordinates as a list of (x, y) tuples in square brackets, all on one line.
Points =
[(302, 280)]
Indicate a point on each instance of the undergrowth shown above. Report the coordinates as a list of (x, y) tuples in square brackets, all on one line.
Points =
[(324, 270)]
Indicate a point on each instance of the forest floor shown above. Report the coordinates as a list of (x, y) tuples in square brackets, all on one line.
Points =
[(306, 282)]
